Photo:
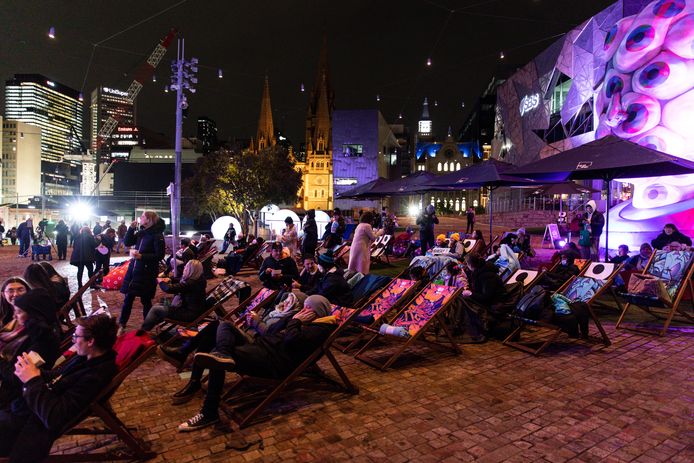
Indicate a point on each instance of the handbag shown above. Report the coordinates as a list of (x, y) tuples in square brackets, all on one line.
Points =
[(648, 285), (101, 249)]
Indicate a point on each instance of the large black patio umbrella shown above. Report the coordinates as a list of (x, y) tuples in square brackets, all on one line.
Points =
[(607, 159), (363, 191), (405, 185), (491, 174)]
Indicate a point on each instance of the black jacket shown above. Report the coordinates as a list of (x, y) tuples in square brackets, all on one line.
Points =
[(426, 222), (334, 288), (193, 294), (308, 281), (664, 239), (83, 249), (62, 293), (486, 285), (287, 349), (289, 272), (41, 338), (597, 223), (560, 275), (58, 396), (310, 240), (141, 277), (62, 231)]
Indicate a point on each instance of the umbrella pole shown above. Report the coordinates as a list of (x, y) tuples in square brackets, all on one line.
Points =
[(491, 191)]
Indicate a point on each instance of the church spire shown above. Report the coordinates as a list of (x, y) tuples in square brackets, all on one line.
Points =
[(425, 110), (266, 130)]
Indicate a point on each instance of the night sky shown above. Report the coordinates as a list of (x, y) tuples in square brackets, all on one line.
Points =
[(375, 47)]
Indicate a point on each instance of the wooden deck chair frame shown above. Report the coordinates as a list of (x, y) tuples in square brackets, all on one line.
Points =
[(475, 246), (279, 385), (527, 284), (380, 250), (101, 408), (340, 253), (75, 305), (555, 331), (667, 312), (255, 261), (236, 314), (404, 299), (406, 343), (488, 248)]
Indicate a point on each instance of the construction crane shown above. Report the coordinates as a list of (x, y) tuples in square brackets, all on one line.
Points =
[(143, 74)]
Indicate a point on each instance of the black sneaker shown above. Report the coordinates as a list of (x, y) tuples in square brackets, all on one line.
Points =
[(199, 421), (214, 360), (173, 355), (186, 394)]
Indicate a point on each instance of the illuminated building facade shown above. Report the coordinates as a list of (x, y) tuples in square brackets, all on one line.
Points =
[(627, 71), (58, 111), (207, 134), (111, 102), (20, 169)]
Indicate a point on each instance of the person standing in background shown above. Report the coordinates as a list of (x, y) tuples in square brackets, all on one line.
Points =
[(61, 239), (426, 221)]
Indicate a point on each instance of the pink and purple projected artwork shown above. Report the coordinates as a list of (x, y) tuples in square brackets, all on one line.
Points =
[(647, 96)]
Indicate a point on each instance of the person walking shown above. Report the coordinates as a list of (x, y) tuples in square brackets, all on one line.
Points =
[(83, 254), (97, 229), (310, 241), (289, 237), (2, 232), (103, 252), (120, 232), (470, 216), (426, 221), (74, 231), (61, 239), (360, 252), (141, 278)]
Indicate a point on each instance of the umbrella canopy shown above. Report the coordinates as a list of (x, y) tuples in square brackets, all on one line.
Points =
[(404, 186), (363, 191), (607, 158), (564, 188)]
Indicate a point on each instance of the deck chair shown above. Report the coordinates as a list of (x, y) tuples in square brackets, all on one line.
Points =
[(489, 247), (74, 308), (582, 288), (256, 302), (676, 268), (215, 300), (470, 246), (527, 277), (380, 250), (415, 318), (101, 408), (379, 306), (340, 254), (375, 244), (275, 387)]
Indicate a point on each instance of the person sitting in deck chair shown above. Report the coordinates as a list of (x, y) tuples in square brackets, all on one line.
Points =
[(274, 355), (332, 285), (233, 262), (566, 268), (55, 397)]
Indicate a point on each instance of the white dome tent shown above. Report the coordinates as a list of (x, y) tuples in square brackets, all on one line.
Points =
[(322, 219), (220, 226)]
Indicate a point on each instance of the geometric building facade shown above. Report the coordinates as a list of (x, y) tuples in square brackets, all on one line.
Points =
[(627, 71)]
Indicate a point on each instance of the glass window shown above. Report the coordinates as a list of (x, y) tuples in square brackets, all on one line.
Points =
[(559, 93), (439, 167), (352, 150)]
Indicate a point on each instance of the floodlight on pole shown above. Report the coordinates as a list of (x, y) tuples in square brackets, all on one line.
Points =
[(81, 212)]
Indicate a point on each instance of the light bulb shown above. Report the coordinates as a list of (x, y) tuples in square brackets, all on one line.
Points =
[(428, 61), (220, 74), (51, 32), (501, 55), (154, 78), (378, 97), (302, 87)]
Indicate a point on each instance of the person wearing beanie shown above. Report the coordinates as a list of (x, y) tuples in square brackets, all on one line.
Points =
[(332, 285), (273, 355), (278, 272), (34, 328)]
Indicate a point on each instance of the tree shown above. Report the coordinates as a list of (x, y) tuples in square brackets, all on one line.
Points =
[(242, 182)]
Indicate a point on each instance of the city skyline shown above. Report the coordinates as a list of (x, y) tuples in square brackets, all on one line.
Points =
[(372, 50)]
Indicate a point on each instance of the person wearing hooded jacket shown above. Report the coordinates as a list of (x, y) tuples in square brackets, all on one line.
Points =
[(426, 221), (141, 278), (34, 328), (83, 253), (596, 220), (485, 289), (310, 240)]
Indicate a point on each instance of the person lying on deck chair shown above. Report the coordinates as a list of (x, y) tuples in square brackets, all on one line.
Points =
[(233, 261), (56, 397), (552, 280), (274, 355), (332, 284), (256, 324)]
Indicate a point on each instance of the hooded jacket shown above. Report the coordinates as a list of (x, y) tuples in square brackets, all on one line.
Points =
[(83, 249), (141, 277), (486, 285), (597, 220)]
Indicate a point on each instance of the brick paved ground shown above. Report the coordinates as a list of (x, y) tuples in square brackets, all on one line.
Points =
[(629, 402)]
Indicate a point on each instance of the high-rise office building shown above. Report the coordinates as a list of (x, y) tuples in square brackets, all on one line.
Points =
[(58, 111), (20, 170), (111, 102), (207, 134)]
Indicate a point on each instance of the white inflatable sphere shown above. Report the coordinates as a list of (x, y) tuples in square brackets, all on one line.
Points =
[(221, 225)]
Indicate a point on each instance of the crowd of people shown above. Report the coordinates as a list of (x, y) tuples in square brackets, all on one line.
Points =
[(35, 397)]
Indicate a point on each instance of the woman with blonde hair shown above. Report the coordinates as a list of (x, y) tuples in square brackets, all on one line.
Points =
[(189, 297)]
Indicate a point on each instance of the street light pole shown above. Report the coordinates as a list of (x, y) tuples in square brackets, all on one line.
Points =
[(183, 78)]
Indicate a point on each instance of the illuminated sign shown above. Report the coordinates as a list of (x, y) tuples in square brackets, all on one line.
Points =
[(114, 91), (529, 102), (345, 181)]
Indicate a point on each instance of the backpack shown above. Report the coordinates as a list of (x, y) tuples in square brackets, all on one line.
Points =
[(533, 304)]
